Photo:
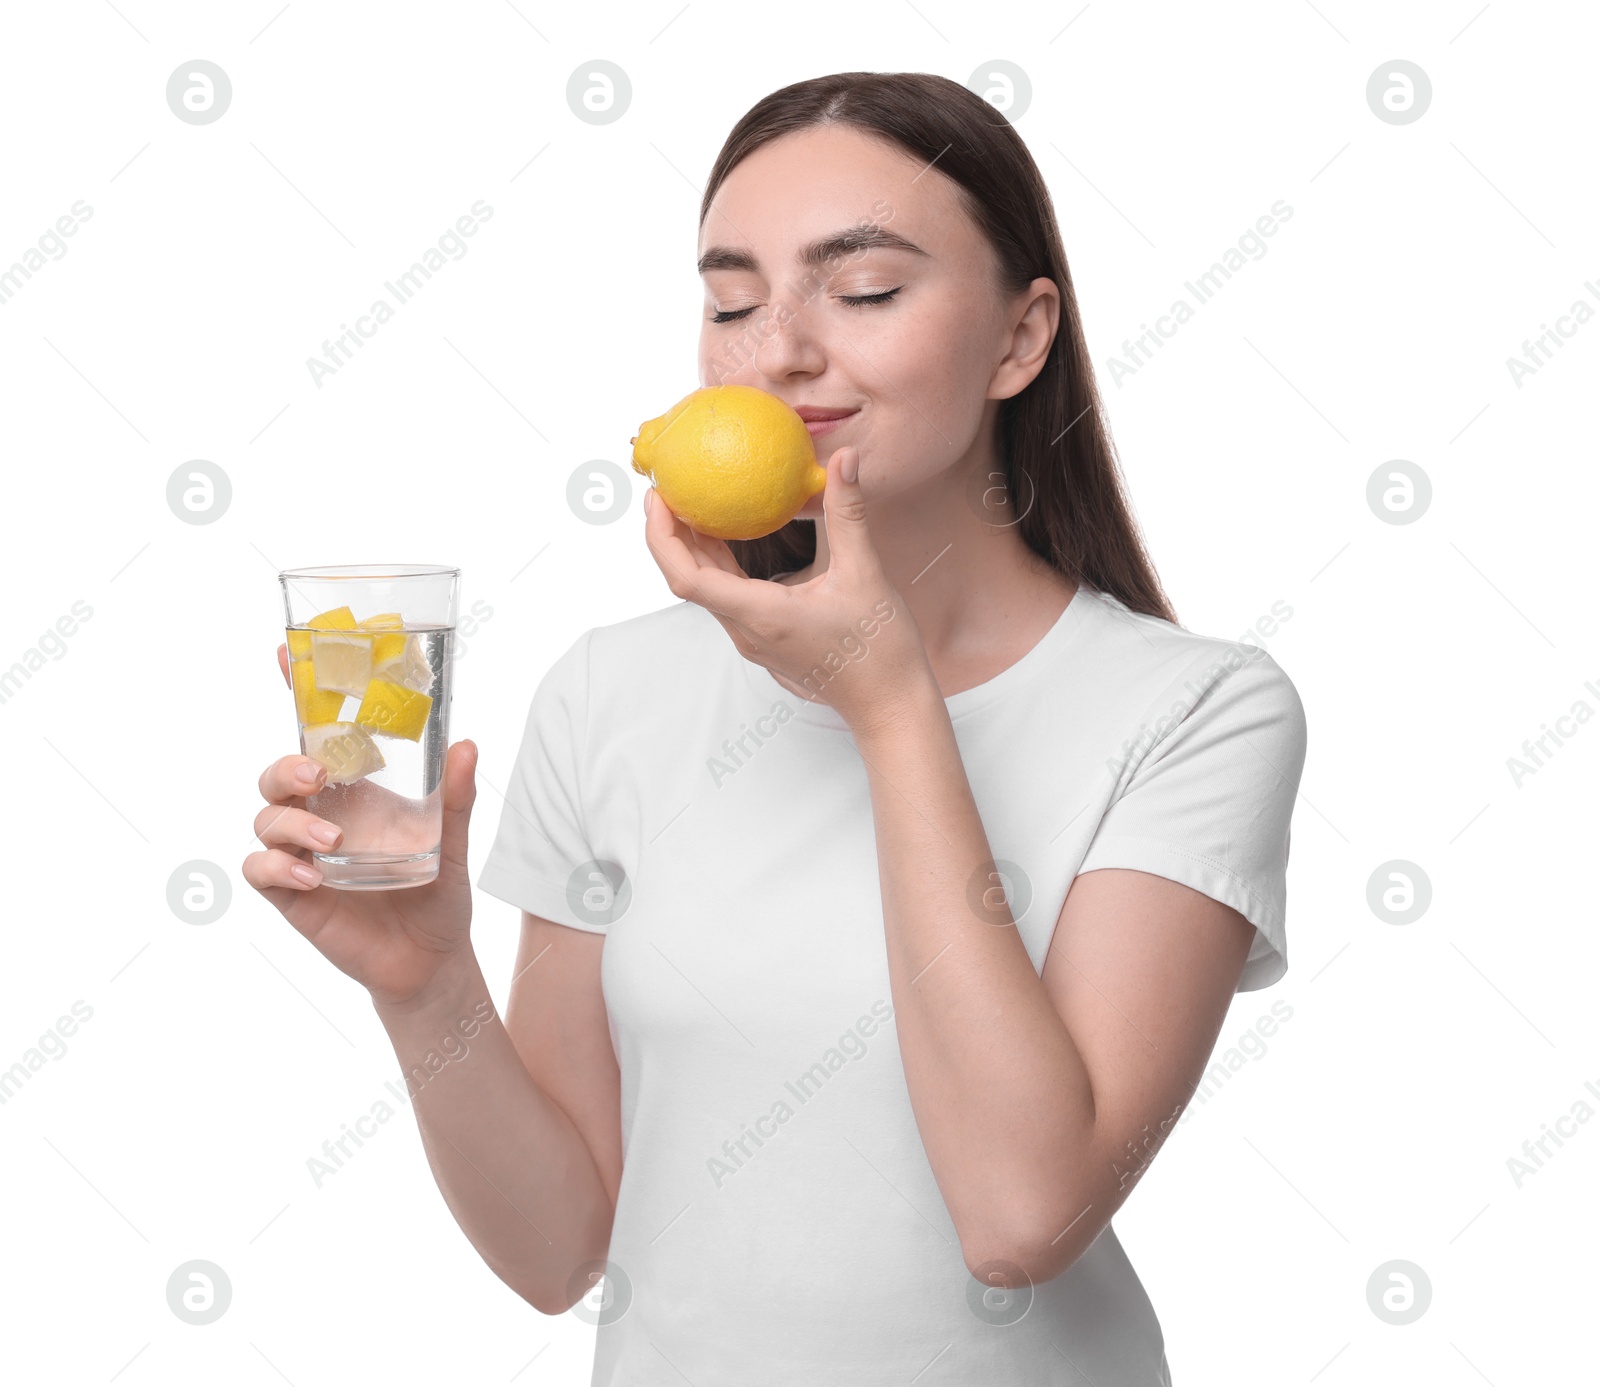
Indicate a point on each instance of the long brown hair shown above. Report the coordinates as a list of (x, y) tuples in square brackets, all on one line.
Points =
[(1056, 448)]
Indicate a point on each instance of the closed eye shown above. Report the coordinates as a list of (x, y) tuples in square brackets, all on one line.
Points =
[(854, 300), (860, 299)]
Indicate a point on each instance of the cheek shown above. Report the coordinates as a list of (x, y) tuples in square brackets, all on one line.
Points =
[(929, 374), (726, 354), (711, 371), (723, 355)]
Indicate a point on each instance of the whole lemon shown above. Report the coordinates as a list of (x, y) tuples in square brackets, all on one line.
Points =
[(731, 460)]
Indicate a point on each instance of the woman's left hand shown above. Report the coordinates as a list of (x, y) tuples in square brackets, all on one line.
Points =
[(845, 637)]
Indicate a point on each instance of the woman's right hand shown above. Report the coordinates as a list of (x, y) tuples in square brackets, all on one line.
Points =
[(394, 943)]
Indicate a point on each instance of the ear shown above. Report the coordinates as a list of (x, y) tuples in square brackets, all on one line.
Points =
[(1035, 317)]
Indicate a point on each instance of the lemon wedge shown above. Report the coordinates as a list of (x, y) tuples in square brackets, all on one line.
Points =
[(394, 710), (342, 660), (313, 705), (405, 664), (392, 642), (336, 619), (345, 749)]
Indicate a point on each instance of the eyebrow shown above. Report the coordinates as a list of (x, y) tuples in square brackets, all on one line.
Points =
[(817, 253)]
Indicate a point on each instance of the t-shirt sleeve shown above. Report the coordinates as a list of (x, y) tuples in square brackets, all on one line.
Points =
[(543, 839), (1209, 803)]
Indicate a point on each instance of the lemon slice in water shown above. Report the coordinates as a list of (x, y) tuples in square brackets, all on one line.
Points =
[(394, 710), (402, 664), (314, 705), (387, 646), (337, 619), (342, 660), (345, 749)]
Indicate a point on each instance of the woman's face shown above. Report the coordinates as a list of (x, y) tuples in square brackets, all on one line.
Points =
[(910, 334)]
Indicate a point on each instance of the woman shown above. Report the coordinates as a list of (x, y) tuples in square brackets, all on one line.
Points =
[(882, 900)]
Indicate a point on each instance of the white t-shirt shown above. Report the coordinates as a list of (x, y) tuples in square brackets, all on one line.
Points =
[(778, 1221)]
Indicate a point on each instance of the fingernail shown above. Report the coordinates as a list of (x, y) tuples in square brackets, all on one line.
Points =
[(309, 875), (309, 773), (650, 500), (325, 833)]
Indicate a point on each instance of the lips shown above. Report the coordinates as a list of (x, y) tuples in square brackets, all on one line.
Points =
[(820, 421)]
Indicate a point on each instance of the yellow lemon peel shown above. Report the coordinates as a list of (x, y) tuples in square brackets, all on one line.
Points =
[(732, 461), (394, 710)]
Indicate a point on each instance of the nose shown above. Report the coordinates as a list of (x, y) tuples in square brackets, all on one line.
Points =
[(788, 344)]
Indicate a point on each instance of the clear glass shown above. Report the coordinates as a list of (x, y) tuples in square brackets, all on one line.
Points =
[(370, 654)]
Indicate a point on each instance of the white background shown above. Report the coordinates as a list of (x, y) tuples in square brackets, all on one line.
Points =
[(1377, 1124)]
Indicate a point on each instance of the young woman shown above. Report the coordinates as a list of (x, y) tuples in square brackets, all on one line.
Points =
[(883, 898)]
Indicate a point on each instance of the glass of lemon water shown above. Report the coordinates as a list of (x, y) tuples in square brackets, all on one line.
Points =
[(370, 655)]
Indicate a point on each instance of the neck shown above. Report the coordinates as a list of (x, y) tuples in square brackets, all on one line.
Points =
[(969, 582)]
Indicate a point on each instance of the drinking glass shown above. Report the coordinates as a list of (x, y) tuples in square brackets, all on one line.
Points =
[(370, 655)]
